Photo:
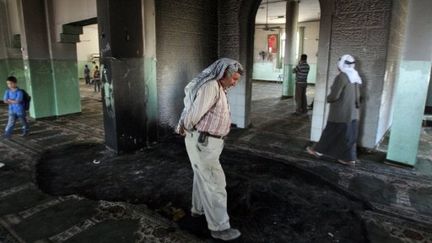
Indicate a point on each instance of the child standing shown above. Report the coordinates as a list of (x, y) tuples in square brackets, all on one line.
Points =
[(14, 98)]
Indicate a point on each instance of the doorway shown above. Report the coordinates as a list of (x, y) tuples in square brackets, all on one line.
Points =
[(270, 111), (88, 57)]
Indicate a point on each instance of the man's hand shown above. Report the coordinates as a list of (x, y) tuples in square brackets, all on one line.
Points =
[(180, 130)]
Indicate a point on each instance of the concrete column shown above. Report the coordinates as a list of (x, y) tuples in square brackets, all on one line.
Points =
[(36, 55), (63, 57), (429, 96), (10, 55), (49, 71), (301, 34), (236, 41), (320, 107), (122, 69), (412, 84), (4, 36), (149, 31), (290, 48)]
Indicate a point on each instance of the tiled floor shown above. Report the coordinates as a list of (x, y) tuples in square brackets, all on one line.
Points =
[(270, 90), (268, 108)]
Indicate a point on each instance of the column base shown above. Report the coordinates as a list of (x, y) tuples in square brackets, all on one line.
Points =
[(285, 97)]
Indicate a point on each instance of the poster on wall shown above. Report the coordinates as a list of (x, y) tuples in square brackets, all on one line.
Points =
[(272, 42)]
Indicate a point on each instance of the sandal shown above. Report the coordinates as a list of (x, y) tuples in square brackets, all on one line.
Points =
[(312, 152), (352, 162)]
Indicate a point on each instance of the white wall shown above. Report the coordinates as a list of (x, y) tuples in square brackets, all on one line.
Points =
[(67, 11), (89, 42), (311, 37), (310, 46), (267, 69), (88, 45), (14, 24)]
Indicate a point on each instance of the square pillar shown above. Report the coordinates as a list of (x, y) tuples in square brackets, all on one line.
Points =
[(125, 86), (288, 86), (36, 55), (412, 85)]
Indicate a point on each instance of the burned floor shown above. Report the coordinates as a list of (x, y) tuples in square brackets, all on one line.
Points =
[(61, 185), (269, 201)]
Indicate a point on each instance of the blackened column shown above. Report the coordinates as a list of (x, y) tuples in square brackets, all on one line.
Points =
[(122, 70)]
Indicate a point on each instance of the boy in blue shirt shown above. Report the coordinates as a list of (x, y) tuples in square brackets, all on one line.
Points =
[(14, 98)]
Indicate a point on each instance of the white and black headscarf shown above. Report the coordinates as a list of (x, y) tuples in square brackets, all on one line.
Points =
[(213, 72), (346, 65)]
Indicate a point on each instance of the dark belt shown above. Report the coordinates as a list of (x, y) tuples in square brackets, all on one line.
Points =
[(213, 136)]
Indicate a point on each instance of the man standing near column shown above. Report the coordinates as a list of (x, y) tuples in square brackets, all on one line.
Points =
[(205, 121), (339, 138), (301, 71)]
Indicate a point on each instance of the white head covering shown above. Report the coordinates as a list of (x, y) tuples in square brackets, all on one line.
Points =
[(213, 72), (346, 65)]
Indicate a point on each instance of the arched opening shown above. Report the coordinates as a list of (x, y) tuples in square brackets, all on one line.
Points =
[(264, 109), (84, 35), (88, 56)]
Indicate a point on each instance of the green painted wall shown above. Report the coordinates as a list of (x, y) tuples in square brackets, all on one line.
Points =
[(3, 74), (312, 73), (16, 68), (66, 86), (409, 102), (12, 67), (289, 81), (53, 85), (266, 71), (39, 73)]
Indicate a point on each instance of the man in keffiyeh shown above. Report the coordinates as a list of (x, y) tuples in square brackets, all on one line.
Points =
[(339, 137), (205, 122)]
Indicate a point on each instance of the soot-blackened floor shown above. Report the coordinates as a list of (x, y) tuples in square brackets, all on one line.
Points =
[(268, 200)]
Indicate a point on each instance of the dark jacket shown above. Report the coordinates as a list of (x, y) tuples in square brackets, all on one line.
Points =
[(344, 99)]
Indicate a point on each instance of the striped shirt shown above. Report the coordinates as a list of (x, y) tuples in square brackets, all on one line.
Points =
[(302, 70), (210, 111)]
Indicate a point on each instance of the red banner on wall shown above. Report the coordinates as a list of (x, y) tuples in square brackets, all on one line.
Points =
[(272, 42)]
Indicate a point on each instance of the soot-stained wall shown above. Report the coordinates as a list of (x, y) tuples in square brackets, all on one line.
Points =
[(361, 28), (187, 38), (236, 28)]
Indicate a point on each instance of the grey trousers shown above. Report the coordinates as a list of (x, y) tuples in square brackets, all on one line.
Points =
[(209, 196), (300, 97)]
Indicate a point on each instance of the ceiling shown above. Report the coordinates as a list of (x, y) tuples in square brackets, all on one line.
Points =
[(308, 10)]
